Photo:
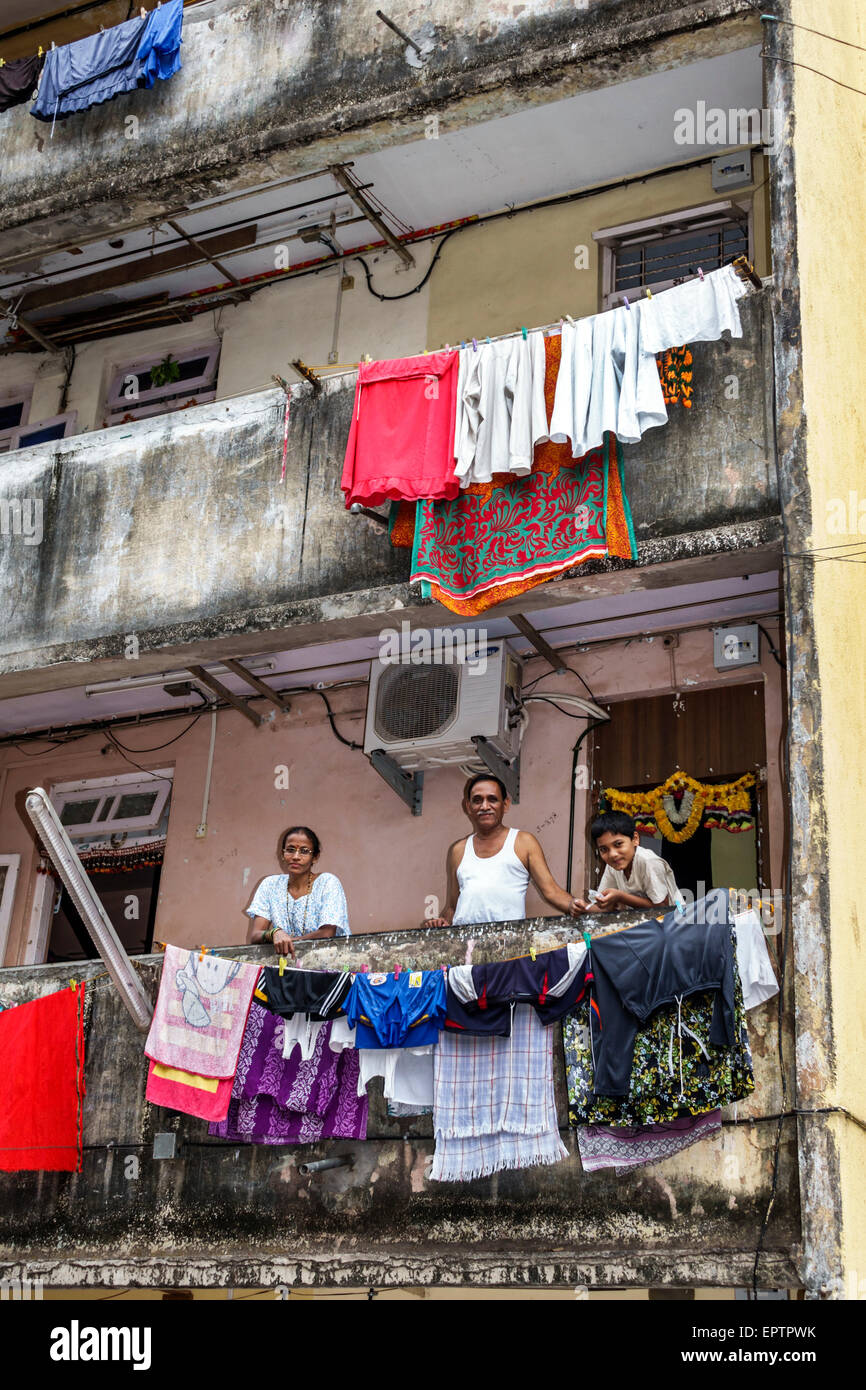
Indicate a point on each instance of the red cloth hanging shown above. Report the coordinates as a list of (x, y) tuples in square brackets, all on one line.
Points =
[(42, 1083), (401, 441)]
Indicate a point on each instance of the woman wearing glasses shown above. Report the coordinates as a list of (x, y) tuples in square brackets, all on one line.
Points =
[(298, 903)]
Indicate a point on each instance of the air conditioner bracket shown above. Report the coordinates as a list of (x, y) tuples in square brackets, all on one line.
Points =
[(507, 772), (409, 786)]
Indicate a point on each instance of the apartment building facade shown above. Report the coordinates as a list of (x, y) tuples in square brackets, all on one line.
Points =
[(190, 276)]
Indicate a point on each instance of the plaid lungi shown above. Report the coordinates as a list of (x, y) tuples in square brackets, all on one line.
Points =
[(493, 1101)]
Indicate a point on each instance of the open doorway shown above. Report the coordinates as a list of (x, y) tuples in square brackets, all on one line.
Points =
[(118, 826), (717, 737)]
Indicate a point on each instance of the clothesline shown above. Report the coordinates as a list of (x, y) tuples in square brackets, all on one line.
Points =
[(331, 371)]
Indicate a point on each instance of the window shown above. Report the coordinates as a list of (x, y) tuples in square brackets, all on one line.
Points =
[(9, 865), (664, 251), (14, 411), (133, 396), (109, 805)]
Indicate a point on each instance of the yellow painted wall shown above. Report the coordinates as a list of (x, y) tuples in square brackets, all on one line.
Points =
[(830, 162), (521, 271)]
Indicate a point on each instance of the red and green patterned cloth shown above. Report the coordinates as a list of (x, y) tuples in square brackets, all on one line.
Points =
[(499, 539)]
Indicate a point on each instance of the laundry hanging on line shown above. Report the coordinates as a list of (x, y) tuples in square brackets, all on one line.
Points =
[(18, 80), (42, 1083), (500, 539), (200, 1012), (292, 1101), (493, 1102), (401, 439), (102, 66), (679, 1080)]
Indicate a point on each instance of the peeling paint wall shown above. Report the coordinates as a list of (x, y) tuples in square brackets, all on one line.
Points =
[(234, 1215), (827, 514)]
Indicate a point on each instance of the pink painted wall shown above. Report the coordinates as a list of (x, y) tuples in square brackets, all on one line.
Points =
[(388, 860)]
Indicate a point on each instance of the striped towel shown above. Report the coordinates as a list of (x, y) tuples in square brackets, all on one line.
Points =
[(200, 1013), (493, 1101)]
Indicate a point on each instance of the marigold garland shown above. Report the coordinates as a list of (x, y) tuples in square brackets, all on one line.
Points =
[(729, 806)]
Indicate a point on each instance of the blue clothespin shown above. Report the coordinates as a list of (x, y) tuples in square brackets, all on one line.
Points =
[(523, 331), (625, 302), (463, 345)]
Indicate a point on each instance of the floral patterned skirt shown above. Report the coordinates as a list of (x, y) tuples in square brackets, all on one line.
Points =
[(665, 1081)]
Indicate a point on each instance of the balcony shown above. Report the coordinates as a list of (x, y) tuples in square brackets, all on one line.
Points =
[(243, 1215), (178, 529)]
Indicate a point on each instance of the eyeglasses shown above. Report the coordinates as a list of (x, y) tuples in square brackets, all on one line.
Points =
[(296, 849)]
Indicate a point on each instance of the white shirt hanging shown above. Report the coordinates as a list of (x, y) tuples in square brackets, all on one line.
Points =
[(501, 412), (699, 311), (606, 383)]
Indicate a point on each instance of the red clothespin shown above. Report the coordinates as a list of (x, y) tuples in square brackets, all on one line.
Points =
[(364, 968), (397, 968)]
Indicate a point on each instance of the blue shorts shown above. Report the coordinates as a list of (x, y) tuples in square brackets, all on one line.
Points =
[(403, 1011)]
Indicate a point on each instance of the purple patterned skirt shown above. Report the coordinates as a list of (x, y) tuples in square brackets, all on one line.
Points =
[(291, 1102)]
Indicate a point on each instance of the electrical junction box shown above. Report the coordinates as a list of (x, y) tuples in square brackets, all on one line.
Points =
[(735, 646), (732, 171)]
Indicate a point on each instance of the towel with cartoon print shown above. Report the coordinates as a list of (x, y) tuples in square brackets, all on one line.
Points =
[(201, 1012)]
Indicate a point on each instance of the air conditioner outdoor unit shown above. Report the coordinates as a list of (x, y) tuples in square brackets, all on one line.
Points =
[(425, 714)]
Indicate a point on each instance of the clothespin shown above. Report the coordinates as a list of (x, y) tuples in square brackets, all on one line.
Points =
[(41, 51), (569, 319), (143, 12), (463, 345), (523, 331), (488, 338), (282, 965), (700, 272), (649, 293), (424, 353), (72, 984), (364, 968), (201, 953), (625, 302), (474, 344), (532, 952), (53, 45), (2, 62), (397, 971)]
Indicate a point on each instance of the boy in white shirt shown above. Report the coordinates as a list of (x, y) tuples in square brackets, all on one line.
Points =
[(633, 876)]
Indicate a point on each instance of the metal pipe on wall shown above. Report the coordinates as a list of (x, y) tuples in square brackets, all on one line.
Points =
[(63, 856)]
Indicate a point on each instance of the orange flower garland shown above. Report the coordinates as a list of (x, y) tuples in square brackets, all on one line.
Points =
[(729, 798)]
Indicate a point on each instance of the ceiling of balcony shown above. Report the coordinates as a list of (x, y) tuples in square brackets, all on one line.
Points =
[(567, 628), (155, 273)]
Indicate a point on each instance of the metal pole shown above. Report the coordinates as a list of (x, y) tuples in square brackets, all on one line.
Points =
[(63, 856)]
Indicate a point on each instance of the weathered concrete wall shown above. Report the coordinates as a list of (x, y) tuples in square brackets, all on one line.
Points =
[(232, 1215), (820, 452), (178, 528), (271, 88)]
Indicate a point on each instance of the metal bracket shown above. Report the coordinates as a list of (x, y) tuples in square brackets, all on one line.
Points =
[(509, 773), (409, 786)]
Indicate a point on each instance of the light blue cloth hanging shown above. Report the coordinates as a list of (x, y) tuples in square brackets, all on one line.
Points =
[(105, 65)]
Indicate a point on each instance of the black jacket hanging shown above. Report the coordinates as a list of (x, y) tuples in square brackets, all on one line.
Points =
[(18, 80), (639, 969)]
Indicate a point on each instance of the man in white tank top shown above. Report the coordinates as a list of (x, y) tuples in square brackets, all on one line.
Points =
[(488, 872)]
